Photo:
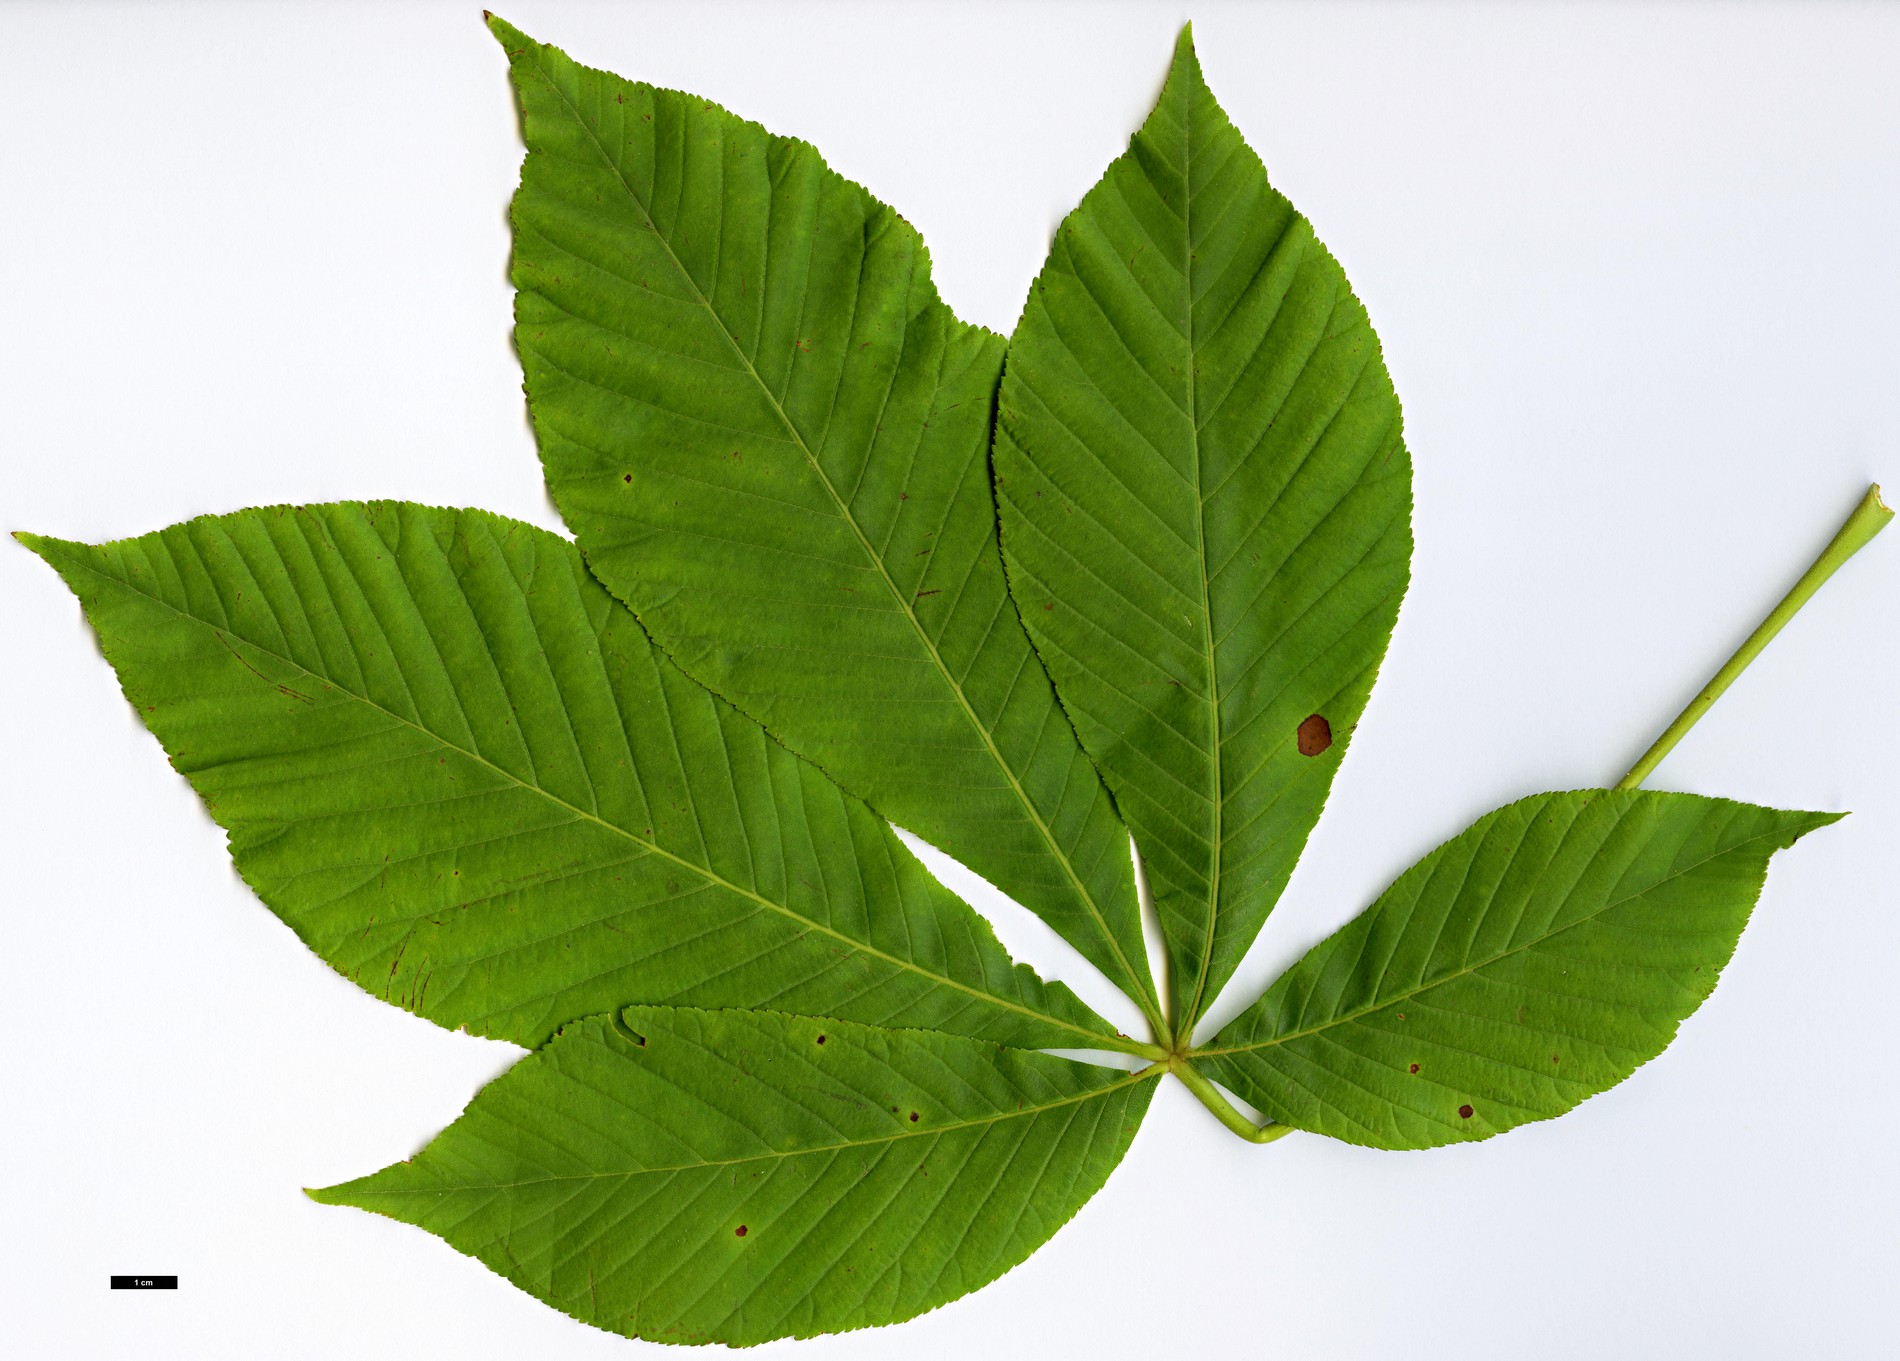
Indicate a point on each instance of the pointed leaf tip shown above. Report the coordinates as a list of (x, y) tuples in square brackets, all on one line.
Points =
[(36, 543), (1821, 820), (1185, 57), (505, 33), (345, 1192)]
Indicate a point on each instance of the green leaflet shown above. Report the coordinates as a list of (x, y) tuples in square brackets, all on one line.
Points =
[(1532, 961), (693, 1176), (1205, 503), (769, 434), (456, 767)]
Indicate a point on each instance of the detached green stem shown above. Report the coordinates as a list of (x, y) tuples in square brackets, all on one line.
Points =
[(1223, 1109), (1868, 519)]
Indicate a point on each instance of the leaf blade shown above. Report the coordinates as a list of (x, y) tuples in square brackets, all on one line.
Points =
[(1534, 960), (459, 770), (769, 436), (1205, 505), (699, 1176)]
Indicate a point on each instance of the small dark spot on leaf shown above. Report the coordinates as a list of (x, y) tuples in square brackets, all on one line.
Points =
[(821, 1039), (1401, 1016), (627, 478), (1050, 606), (1414, 1068), (1316, 734), (913, 1117), (1464, 1112), (739, 1232), (1553, 1058)]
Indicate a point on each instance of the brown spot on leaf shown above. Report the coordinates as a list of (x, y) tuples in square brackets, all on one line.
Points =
[(627, 477), (1464, 1112), (821, 1039), (739, 1232), (1316, 734), (1414, 1068), (913, 1117)]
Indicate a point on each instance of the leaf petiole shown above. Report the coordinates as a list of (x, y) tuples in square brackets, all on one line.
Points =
[(1223, 1109), (1868, 519)]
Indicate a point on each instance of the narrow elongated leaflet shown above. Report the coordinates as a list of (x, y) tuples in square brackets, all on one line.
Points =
[(1206, 514), (459, 770), (691, 1176), (1533, 960), (769, 435)]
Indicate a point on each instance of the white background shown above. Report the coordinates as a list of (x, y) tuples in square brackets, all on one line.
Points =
[(1637, 272)]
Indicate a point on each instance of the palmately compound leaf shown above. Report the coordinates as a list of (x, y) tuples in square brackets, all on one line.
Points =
[(1532, 961), (460, 771), (694, 1176), (1206, 514), (770, 437), (784, 1083)]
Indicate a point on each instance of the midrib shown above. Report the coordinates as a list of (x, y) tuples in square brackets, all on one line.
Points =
[(1193, 1010), (1131, 976), (1445, 979), (1152, 1070)]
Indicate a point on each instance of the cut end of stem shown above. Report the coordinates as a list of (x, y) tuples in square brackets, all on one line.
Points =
[(1868, 519)]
